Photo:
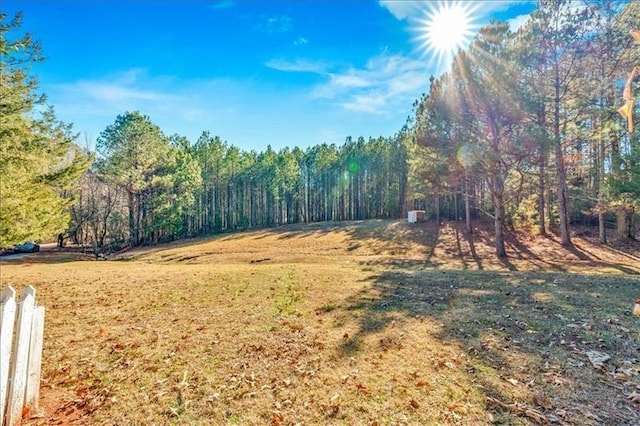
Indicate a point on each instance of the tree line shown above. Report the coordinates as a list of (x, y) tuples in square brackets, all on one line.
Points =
[(146, 187), (523, 128)]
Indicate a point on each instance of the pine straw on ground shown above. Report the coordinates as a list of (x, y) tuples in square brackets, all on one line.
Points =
[(372, 323)]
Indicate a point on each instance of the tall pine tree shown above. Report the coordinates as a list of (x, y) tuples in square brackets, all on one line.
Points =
[(38, 157)]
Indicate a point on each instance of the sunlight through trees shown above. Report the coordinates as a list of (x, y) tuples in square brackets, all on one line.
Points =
[(514, 103)]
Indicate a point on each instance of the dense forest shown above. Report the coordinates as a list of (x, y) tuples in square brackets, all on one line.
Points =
[(525, 128), (146, 187)]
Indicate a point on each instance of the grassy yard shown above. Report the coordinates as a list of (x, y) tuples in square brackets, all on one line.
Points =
[(359, 323)]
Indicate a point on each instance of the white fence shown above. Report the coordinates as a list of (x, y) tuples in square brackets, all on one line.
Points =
[(21, 333)]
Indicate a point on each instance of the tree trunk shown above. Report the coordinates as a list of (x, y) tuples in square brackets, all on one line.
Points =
[(565, 238), (455, 206), (541, 186), (307, 216), (138, 213), (132, 219), (498, 215), (404, 185), (467, 205), (626, 222), (601, 201)]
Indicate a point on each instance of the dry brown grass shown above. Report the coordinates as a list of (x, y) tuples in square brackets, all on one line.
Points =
[(375, 322)]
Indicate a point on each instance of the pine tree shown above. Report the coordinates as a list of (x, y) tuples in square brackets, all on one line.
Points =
[(134, 151), (38, 158)]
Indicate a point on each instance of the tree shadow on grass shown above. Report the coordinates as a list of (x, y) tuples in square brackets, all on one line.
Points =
[(469, 239), (393, 238), (49, 256), (530, 328)]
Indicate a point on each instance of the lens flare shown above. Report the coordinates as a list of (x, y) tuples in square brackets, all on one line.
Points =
[(465, 155), (445, 28)]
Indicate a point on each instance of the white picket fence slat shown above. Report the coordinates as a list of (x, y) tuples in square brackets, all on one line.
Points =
[(21, 335), (32, 392), (7, 317)]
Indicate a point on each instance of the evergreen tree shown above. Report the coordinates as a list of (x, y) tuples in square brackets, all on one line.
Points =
[(134, 151), (38, 158)]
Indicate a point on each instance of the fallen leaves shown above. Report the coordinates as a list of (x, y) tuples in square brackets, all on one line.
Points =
[(598, 359), (362, 388), (277, 420), (387, 343), (541, 400), (519, 409), (441, 363), (514, 382)]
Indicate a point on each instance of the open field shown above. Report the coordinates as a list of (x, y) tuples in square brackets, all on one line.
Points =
[(363, 323)]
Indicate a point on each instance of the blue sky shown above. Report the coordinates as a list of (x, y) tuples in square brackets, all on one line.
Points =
[(255, 73)]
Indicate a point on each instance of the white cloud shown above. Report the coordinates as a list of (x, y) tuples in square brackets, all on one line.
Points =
[(412, 9), (350, 80), (183, 107), (370, 89), (299, 65), (402, 9), (516, 22), (114, 92), (346, 99), (372, 102), (111, 95), (300, 41), (384, 84)]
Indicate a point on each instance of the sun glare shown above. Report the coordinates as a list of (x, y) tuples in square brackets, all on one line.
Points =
[(446, 27)]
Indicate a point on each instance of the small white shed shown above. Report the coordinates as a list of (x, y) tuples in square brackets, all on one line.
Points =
[(417, 216)]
